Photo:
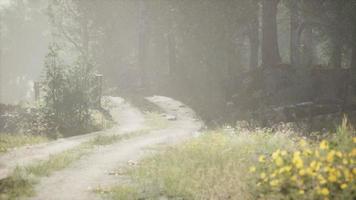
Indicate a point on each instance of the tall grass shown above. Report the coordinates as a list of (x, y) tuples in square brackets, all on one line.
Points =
[(213, 166), (218, 164)]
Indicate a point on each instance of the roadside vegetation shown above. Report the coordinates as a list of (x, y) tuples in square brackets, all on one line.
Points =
[(247, 164), (11, 141)]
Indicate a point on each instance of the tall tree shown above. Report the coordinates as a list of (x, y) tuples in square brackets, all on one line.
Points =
[(270, 50), (353, 49), (294, 24)]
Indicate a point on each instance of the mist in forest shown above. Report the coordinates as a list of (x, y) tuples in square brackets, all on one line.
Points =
[(177, 99), (227, 59)]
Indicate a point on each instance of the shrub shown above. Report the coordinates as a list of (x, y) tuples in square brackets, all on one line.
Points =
[(69, 95)]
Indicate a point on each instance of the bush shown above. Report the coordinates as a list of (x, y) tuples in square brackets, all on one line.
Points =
[(69, 95)]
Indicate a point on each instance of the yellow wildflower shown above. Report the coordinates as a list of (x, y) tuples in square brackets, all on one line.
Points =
[(262, 159), (343, 186), (307, 152), (324, 145), (283, 153), (285, 169), (330, 156), (347, 174), (274, 183), (339, 154), (302, 172), (332, 178), (321, 179), (297, 161), (279, 161), (276, 154), (354, 139), (310, 172), (353, 152), (324, 191), (252, 169), (345, 162), (263, 175), (301, 192)]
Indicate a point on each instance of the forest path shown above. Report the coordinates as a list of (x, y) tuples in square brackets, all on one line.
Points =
[(78, 181), (130, 119)]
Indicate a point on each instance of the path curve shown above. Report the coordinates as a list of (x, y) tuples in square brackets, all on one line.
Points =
[(128, 117), (77, 181)]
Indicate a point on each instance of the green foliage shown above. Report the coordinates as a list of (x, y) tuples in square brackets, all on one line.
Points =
[(68, 95)]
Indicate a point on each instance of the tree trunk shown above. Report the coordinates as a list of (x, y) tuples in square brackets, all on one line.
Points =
[(336, 56), (336, 37), (294, 41), (308, 47), (270, 49), (253, 37), (353, 56)]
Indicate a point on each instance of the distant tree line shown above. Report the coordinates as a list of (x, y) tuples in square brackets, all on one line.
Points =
[(227, 59), (218, 56)]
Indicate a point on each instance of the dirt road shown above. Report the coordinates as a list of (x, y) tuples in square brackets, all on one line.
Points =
[(129, 119), (77, 181)]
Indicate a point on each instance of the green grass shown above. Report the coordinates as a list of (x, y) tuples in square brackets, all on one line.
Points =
[(213, 166), (103, 140), (10, 141)]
